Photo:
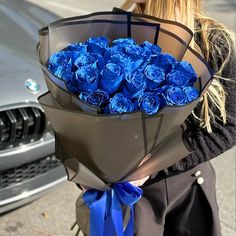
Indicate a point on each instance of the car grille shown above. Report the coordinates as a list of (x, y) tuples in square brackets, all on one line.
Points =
[(20, 126), (27, 171)]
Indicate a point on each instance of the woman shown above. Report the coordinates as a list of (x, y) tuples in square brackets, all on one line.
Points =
[(181, 200)]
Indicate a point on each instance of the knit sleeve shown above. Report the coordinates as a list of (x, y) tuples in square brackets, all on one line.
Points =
[(223, 137)]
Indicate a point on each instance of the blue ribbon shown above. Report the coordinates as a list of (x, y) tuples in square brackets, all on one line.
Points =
[(106, 218)]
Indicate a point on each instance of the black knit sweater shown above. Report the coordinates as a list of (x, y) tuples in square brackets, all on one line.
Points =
[(223, 137)]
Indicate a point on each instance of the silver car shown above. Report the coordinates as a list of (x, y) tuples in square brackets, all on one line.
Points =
[(28, 166)]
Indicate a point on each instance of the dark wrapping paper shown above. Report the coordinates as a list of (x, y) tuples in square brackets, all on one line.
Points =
[(112, 146)]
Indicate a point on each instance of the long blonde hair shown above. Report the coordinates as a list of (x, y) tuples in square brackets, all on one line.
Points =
[(216, 45)]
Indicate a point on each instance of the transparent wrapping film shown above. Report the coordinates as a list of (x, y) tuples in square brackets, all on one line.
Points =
[(168, 152), (108, 145), (172, 37), (63, 33), (202, 69)]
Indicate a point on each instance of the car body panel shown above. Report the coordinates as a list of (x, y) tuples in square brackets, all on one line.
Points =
[(27, 153), (20, 21), (18, 60), (19, 24), (14, 71), (68, 8), (28, 191)]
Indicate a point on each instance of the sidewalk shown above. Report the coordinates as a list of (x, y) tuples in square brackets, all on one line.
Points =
[(53, 214), (225, 166), (223, 10)]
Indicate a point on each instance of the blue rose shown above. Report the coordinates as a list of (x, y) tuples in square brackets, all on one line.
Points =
[(117, 49), (162, 89), (112, 77), (161, 93), (137, 52), (113, 51), (165, 61), (63, 72), (76, 50), (129, 64), (62, 58), (72, 85), (149, 102), (124, 61), (134, 85), (74, 56), (175, 96), (120, 104), (100, 61), (86, 79), (86, 60), (78, 47), (154, 49), (95, 98), (155, 76), (191, 93), (130, 57), (124, 41), (90, 60), (98, 45), (181, 74), (139, 56)]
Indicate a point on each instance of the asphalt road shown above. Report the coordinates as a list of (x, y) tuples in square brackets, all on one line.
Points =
[(53, 214)]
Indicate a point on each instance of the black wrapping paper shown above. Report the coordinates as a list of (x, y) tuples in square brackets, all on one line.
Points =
[(112, 146)]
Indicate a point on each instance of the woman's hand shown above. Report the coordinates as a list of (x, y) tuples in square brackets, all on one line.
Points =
[(140, 182)]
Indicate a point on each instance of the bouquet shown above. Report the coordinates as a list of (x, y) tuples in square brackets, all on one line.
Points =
[(125, 77), (120, 88)]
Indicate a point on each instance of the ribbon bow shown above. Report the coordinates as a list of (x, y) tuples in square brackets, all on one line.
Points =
[(106, 217)]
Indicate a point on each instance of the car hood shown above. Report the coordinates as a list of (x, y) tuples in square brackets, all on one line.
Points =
[(20, 21), (15, 70), (67, 8), (19, 26)]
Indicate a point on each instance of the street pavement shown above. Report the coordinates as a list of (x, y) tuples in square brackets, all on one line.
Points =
[(223, 10), (53, 214), (225, 167)]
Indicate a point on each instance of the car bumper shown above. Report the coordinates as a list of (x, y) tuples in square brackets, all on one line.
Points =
[(27, 191), (27, 153)]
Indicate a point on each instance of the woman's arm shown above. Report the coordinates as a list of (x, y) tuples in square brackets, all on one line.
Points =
[(223, 137)]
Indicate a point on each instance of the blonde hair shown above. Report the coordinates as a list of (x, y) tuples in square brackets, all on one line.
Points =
[(216, 46)]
